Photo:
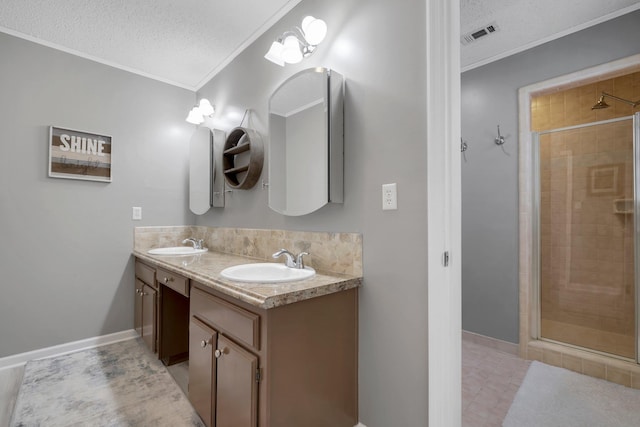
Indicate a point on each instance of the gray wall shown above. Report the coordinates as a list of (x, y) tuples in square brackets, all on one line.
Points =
[(384, 142), (65, 245), (490, 175)]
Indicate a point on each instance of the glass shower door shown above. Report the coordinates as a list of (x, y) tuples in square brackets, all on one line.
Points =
[(587, 235)]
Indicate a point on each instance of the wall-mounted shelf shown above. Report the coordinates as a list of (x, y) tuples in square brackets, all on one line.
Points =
[(242, 158), (623, 206)]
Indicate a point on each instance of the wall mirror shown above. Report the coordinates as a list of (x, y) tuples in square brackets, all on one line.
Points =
[(200, 168), (306, 138), (206, 189), (217, 193)]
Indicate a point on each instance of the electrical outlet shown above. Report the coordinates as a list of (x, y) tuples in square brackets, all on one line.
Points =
[(389, 197), (136, 213)]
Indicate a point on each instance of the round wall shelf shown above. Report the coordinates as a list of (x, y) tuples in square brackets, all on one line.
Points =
[(242, 158)]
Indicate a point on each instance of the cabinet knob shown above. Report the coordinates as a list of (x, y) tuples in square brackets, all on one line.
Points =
[(204, 343), (168, 279), (218, 353)]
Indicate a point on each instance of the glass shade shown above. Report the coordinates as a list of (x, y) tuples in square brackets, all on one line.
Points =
[(291, 52), (205, 107), (275, 53), (195, 116), (314, 30)]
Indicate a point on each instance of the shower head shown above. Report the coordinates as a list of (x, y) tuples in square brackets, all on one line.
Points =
[(600, 104)]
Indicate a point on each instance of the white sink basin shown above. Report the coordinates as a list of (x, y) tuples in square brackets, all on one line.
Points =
[(177, 250), (267, 272)]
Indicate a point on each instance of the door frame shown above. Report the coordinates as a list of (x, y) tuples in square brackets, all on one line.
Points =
[(527, 296), (444, 212)]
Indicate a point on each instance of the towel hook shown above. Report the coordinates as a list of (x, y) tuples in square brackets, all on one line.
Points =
[(499, 139)]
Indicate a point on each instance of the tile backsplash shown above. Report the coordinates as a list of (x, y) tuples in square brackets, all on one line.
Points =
[(333, 252)]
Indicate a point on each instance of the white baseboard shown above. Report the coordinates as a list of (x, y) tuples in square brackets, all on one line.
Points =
[(504, 346), (71, 347)]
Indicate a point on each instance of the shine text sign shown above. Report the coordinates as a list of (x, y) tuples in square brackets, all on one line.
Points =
[(79, 155)]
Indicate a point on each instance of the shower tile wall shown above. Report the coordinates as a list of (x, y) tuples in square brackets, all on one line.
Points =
[(586, 228), (573, 106)]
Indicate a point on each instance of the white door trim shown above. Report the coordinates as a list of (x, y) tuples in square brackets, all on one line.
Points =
[(443, 212)]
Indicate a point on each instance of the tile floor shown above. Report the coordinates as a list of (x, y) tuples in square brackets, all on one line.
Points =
[(490, 380), (180, 374)]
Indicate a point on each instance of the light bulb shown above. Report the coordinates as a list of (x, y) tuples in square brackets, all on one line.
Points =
[(275, 53), (205, 107), (291, 52), (314, 30), (195, 116)]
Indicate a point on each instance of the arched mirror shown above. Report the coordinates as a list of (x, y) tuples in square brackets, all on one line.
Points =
[(306, 141)]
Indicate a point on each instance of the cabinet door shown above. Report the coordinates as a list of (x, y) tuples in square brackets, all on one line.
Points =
[(149, 316), (137, 309), (202, 369), (237, 388)]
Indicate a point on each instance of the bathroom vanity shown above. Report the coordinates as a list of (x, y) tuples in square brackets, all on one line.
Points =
[(161, 311), (259, 354), (146, 305)]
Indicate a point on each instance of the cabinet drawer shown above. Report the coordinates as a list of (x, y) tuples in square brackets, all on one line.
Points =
[(174, 281), (146, 274), (243, 325)]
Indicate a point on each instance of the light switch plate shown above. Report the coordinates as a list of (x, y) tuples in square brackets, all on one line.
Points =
[(136, 213), (389, 197)]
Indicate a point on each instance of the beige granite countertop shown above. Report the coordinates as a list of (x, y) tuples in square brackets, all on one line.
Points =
[(205, 269)]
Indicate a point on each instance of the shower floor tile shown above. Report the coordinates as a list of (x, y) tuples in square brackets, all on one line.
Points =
[(490, 380)]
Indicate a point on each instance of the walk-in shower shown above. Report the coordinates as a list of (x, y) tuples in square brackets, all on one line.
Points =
[(586, 185)]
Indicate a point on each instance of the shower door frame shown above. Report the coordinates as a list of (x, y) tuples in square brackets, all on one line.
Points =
[(535, 194)]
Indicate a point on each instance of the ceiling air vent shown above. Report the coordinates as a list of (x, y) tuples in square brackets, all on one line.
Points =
[(474, 35)]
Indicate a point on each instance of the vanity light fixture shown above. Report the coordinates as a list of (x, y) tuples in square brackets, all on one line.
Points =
[(198, 113), (294, 45)]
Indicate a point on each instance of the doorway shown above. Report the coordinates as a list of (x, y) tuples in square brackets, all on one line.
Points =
[(585, 242)]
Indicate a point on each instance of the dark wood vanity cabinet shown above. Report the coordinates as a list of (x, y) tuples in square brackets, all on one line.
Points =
[(223, 378), (223, 375), (203, 341), (161, 312), (173, 317), (146, 305), (289, 366)]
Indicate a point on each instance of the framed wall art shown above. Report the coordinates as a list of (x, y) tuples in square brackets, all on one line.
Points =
[(79, 155)]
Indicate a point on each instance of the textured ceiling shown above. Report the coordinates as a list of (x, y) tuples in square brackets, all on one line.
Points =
[(186, 42), (526, 23), (182, 42)]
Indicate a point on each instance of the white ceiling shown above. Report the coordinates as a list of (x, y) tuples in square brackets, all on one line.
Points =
[(527, 23), (186, 42), (182, 42)]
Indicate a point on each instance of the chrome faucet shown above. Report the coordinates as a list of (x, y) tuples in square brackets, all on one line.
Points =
[(197, 243), (299, 260), (290, 260)]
